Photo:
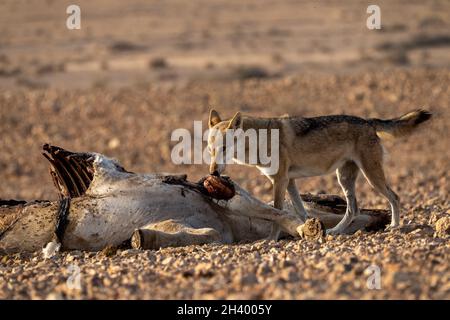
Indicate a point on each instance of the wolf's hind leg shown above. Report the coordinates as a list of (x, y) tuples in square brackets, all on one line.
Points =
[(347, 175), (372, 168), (297, 200)]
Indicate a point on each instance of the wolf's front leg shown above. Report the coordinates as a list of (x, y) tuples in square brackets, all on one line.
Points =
[(279, 191), (297, 200)]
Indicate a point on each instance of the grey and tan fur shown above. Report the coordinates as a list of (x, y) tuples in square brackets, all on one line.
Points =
[(317, 146)]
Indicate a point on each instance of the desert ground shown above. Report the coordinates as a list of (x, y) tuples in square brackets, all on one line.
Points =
[(137, 70)]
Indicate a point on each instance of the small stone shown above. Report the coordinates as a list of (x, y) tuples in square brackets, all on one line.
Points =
[(51, 249), (287, 263), (204, 270), (54, 296), (442, 227), (4, 259), (358, 233), (289, 275), (109, 251), (114, 143), (76, 253), (167, 261), (246, 278), (263, 269)]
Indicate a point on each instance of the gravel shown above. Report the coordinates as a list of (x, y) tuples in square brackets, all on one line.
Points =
[(134, 125), (413, 265)]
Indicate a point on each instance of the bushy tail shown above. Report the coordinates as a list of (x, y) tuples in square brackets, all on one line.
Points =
[(401, 126)]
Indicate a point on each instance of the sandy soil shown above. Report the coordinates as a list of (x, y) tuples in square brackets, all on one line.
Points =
[(120, 43), (136, 72)]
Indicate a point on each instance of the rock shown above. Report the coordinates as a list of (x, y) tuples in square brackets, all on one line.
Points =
[(114, 143), (167, 261), (109, 251), (54, 296), (5, 259), (287, 263), (263, 269), (51, 249), (435, 216), (245, 278), (76, 253), (358, 233), (204, 270), (289, 275), (442, 227)]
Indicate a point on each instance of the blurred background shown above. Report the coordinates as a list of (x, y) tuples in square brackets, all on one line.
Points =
[(137, 70), (124, 43)]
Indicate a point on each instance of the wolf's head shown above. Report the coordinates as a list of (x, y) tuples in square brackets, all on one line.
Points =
[(219, 141)]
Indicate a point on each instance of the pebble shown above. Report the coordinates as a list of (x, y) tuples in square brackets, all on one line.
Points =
[(442, 227)]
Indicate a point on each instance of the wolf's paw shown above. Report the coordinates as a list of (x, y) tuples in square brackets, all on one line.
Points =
[(334, 231)]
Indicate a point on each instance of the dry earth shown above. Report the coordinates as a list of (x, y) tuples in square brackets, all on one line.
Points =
[(136, 72)]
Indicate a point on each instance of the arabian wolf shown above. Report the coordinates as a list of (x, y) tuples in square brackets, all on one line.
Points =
[(316, 146)]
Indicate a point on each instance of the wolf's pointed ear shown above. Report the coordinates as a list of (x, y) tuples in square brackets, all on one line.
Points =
[(236, 121), (214, 118)]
